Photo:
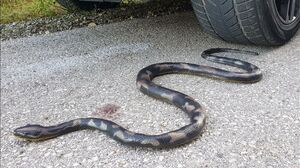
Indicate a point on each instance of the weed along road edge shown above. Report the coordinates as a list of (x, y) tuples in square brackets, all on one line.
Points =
[(85, 72)]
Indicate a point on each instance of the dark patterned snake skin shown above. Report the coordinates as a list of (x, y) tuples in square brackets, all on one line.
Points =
[(144, 83)]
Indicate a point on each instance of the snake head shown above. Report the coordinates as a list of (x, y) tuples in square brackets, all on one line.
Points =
[(30, 132)]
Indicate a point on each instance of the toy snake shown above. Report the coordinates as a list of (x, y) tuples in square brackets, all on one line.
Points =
[(144, 83)]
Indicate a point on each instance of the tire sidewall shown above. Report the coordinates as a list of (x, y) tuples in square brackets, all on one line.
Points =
[(275, 30)]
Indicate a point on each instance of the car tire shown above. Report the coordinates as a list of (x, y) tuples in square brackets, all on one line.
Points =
[(260, 22), (73, 5)]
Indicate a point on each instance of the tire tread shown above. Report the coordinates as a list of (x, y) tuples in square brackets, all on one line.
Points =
[(231, 20)]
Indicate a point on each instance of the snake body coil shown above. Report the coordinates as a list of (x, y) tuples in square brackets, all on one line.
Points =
[(144, 83)]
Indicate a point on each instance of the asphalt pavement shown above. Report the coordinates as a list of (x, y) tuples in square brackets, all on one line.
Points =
[(53, 78)]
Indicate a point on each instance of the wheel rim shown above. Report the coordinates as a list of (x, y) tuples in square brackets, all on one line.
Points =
[(288, 10)]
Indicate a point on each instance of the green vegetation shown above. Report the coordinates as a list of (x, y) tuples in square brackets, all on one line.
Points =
[(17, 10)]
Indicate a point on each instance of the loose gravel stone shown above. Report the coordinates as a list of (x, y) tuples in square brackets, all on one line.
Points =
[(92, 24)]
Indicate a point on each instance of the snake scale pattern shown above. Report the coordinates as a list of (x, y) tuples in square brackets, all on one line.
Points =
[(144, 83)]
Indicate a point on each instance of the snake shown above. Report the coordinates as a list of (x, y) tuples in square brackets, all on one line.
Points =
[(249, 73)]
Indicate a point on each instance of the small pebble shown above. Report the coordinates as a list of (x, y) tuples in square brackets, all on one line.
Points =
[(92, 24)]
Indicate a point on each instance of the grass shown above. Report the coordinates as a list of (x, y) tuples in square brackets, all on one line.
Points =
[(18, 10), (22, 10)]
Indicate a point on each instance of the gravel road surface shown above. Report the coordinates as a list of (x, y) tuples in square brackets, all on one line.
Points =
[(55, 77)]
